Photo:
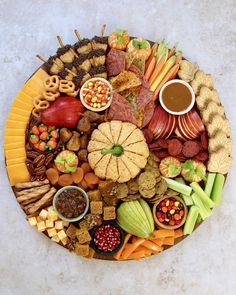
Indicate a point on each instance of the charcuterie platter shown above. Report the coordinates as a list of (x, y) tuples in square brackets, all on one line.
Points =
[(117, 147)]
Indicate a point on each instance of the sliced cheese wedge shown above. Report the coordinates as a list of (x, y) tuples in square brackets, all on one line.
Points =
[(25, 98), (19, 111), (16, 153), (20, 160), (12, 139), (14, 145), (14, 132), (29, 91), (16, 124), (22, 105), (17, 173), (13, 116), (36, 84), (41, 74)]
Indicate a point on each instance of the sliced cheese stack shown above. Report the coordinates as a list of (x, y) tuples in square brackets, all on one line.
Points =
[(14, 137)]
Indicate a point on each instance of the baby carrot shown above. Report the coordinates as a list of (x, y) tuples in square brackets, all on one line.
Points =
[(169, 76), (150, 68), (153, 52), (158, 67)]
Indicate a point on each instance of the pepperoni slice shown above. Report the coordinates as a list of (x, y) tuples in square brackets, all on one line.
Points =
[(202, 156), (190, 148), (163, 143), (148, 135), (161, 153), (174, 147)]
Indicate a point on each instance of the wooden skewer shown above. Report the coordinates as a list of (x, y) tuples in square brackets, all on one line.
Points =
[(93, 44), (78, 35), (103, 30), (72, 73), (41, 58), (60, 41)]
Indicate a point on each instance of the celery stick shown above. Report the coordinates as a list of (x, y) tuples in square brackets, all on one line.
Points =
[(209, 183), (191, 220), (217, 189), (178, 187), (202, 195), (199, 218), (187, 200), (203, 211)]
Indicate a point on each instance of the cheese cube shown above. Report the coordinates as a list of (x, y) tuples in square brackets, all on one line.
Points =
[(32, 221), (39, 219), (59, 224), (52, 215), (49, 223), (55, 239), (65, 241), (51, 232), (43, 214), (61, 234), (41, 226)]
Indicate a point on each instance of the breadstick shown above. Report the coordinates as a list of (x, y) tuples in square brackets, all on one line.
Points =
[(44, 200), (31, 190), (31, 184), (28, 197)]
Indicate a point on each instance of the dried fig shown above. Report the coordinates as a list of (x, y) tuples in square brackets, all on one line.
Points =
[(84, 139), (74, 143), (65, 134), (84, 125), (83, 155)]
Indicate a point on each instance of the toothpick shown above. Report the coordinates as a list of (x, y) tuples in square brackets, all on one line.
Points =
[(78, 35), (103, 30)]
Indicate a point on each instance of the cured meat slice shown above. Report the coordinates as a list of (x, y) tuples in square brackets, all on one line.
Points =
[(115, 62), (174, 147), (145, 105), (137, 71), (190, 149), (121, 109), (148, 135)]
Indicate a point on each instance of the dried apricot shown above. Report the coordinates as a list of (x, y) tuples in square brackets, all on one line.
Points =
[(52, 175), (78, 175), (65, 179)]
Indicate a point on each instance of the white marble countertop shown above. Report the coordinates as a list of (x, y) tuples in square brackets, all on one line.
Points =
[(205, 262)]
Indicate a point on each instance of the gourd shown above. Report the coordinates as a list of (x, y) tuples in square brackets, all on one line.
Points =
[(119, 39), (112, 151), (139, 48)]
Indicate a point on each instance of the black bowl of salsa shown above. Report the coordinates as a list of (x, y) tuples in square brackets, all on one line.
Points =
[(71, 203)]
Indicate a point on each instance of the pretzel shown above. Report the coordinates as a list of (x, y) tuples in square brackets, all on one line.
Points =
[(66, 86), (50, 96), (36, 113), (40, 103), (74, 93), (52, 83)]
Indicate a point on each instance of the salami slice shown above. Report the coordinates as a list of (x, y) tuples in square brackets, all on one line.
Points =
[(202, 156), (174, 147), (161, 153), (162, 143), (190, 149), (115, 62)]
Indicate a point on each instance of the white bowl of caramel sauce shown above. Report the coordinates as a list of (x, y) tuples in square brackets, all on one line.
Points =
[(177, 97)]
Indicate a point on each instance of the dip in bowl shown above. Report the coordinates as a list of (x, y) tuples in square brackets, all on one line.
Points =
[(71, 203), (177, 97)]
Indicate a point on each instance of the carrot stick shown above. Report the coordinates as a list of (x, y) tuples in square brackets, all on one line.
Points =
[(118, 254), (179, 56), (158, 241), (136, 255), (129, 248), (158, 67), (178, 233), (146, 250), (153, 52), (172, 51), (169, 241), (163, 233), (150, 68), (169, 76), (151, 246)]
